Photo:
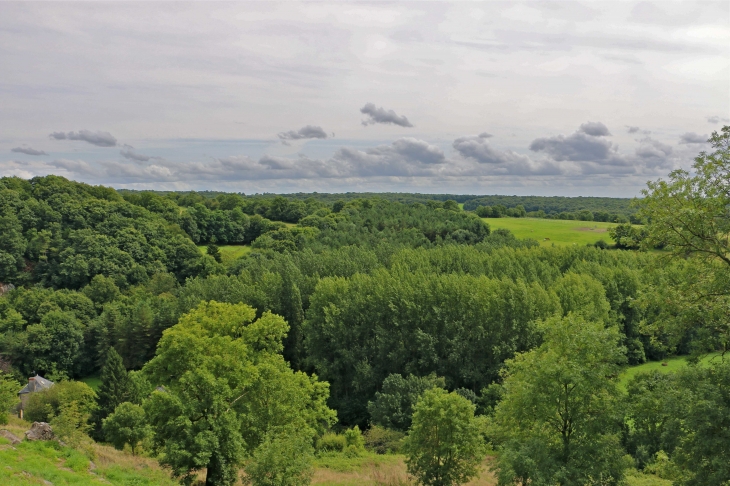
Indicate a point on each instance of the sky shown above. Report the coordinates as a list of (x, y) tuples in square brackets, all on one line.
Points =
[(530, 98)]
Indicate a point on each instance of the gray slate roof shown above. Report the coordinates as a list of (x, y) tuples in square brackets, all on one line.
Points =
[(36, 383)]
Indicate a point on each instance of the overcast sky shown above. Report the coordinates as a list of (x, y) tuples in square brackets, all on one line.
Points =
[(547, 98)]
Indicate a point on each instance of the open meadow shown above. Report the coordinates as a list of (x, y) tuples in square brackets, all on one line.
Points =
[(229, 252), (554, 231)]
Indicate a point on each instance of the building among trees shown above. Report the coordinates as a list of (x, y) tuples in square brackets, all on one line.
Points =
[(35, 384)]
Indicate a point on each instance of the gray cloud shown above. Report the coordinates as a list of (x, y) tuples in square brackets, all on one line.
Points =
[(717, 119), (381, 115), (28, 151), (485, 135), (479, 150), (595, 129), (653, 149), (128, 152), (692, 137), (310, 131), (577, 147), (637, 130), (276, 163), (100, 139)]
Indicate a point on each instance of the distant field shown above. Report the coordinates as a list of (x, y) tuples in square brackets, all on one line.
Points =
[(673, 364), (554, 231), (229, 252)]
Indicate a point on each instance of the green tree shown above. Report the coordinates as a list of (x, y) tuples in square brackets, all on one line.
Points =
[(558, 421), (688, 216), (127, 424), (116, 388), (444, 446), (393, 406), (9, 389), (226, 386), (213, 250)]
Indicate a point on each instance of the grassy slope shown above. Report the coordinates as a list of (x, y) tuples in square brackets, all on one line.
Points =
[(38, 462), (560, 232)]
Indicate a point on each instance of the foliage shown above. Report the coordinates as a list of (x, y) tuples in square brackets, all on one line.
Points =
[(558, 421), (393, 406), (627, 237), (284, 458), (71, 424), (9, 388), (688, 216), (444, 446), (225, 387), (42, 406), (116, 388), (382, 440), (127, 424), (331, 442)]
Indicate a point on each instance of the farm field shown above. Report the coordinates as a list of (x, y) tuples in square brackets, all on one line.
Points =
[(229, 252), (554, 231)]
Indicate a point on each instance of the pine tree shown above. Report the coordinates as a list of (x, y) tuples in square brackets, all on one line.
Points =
[(116, 387)]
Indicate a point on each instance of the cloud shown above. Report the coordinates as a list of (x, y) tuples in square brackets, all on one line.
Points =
[(717, 119), (578, 147), (485, 135), (637, 130), (404, 157), (310, 131), (595, 129), (276, 163), (128, 152), (692, 137), (479, 150), (381, 115), (653, 149), (28, 151), (100, 139), (496, 161)]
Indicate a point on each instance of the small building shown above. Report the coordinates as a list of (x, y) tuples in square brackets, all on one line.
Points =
[(35, 384)]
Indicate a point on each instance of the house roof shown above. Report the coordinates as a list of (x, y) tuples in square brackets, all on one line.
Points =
[(36, 383)]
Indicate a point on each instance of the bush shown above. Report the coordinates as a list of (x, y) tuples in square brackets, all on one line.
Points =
[(44, 405), (383, 441), (331, 443), (8, 395)]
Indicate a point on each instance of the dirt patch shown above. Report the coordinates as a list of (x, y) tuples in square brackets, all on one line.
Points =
[(594, 230)]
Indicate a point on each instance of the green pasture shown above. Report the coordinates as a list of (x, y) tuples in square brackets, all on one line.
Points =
[(554, 231), (229, 252), (94, 381), (665, 366)]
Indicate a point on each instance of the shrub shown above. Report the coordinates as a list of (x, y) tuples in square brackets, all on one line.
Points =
[(383, 441), (331, 443), (8, 395), (44, 405)]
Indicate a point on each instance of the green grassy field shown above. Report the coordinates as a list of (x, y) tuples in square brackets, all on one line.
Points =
[(672, 364), (554, 231), (229, 252)]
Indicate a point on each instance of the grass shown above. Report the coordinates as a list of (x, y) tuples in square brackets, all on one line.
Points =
[(376, 470), (554, 231), (672, 364), (229, 252), (94, 381), (51, 463)]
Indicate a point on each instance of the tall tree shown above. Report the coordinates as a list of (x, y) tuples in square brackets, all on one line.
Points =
[(688, 216), (226, 386), (116, 388), (558, 421)]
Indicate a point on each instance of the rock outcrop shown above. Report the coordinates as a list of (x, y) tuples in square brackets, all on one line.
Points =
[(10, 436), (39, 431)]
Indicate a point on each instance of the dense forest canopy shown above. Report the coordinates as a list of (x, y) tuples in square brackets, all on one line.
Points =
[(354, 307)]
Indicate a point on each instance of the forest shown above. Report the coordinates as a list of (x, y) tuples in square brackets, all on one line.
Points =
[(368, 323)]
